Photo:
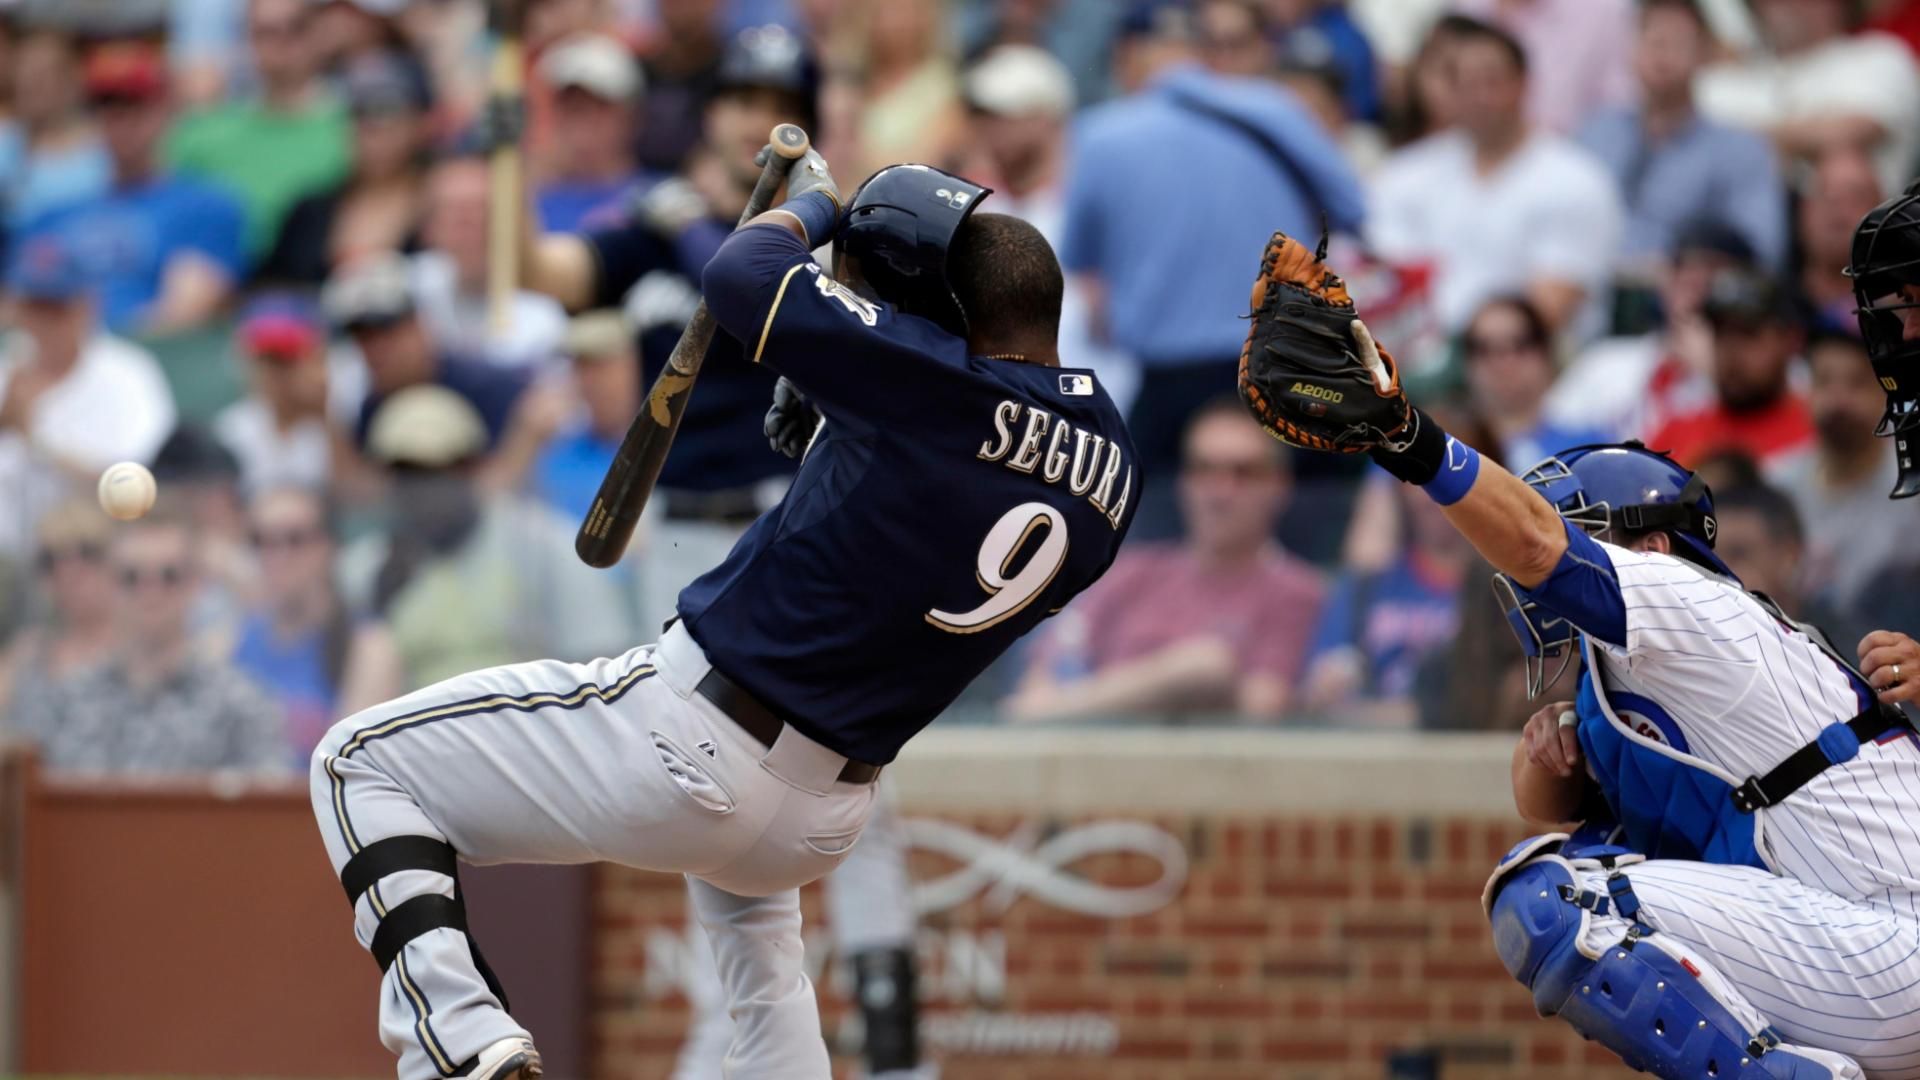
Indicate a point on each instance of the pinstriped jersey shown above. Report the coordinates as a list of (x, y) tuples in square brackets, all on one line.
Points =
[(1740, 690)]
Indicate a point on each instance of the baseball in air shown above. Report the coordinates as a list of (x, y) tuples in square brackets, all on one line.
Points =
[(127, 490)]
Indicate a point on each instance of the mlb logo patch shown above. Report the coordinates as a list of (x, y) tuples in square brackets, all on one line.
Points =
[(1076, 385)]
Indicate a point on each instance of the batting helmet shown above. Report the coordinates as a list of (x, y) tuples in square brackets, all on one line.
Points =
[(900, 226), (1602, 488), (1885, 260)]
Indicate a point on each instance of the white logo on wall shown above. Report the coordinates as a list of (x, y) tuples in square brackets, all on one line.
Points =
[(963, 969)]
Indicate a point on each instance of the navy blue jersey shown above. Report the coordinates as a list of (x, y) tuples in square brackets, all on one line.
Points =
[(719, 444), (949, 504)]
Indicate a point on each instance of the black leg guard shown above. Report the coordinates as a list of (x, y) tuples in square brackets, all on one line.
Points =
[(885, 986), (422, 913)]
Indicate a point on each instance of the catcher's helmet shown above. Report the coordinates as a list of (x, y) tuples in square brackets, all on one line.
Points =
[(900, 224), (1601, 488), (1886, 257)]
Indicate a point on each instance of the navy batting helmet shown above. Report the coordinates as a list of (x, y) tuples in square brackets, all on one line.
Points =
[(900, 226), (1885, 260), (1602, 488)]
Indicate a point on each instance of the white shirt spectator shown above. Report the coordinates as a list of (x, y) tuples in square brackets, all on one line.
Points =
[(269, 458), (1870, 74), (460, 323), (1550, 212), (113, 406)]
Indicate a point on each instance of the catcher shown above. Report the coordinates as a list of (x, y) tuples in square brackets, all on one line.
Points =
[(1742, 896)]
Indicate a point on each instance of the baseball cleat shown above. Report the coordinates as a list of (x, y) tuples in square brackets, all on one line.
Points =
[(508, 1059)]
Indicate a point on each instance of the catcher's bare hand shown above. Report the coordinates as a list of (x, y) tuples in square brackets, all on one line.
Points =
[(1891, 662), (1551, 745), (1310, 372)]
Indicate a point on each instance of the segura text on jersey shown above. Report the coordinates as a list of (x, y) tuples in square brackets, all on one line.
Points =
[(1046, 445)]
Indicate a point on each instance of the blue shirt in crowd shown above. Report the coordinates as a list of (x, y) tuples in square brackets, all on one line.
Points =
[(1329, 35), (1703, 171), (564, 206), (32, 184), (568, 472), (128, 236), (1173, 193), (295, 673), (1396, 618)]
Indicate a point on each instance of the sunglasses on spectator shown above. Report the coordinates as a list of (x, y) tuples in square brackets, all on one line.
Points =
[(1480, 346), (277, 539), (1243, 471), (83, 552), (170, 575)]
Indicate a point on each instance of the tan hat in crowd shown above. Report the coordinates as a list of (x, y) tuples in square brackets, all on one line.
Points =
[(426, 426), (596, 63), (1020, 80), (596, 335)]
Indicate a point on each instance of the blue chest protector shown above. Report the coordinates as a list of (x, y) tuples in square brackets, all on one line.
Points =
[(1668, 803)]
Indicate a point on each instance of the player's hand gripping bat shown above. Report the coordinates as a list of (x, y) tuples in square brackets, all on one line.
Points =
[(623, 494)]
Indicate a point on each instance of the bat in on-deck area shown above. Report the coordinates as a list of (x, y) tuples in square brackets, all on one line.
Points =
[(617, 506), (506, 86)]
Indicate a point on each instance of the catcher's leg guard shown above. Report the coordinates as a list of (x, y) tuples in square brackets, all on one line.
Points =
[(1646, 997), (885, 986)]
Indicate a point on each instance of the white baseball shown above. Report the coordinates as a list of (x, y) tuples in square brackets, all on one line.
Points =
[(127, 490)]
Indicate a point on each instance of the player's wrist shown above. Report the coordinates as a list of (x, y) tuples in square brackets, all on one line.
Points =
[(818, 214), (1431, 459)]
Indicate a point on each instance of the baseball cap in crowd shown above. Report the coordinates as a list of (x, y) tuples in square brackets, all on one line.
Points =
[(44, 266), (596, 63), (1020, 80), (191, 455), (125, 71), (280, 327), (1156, 18), (597, 335), (1746, 297), (369, 292), (426, 427), (380, 84), (768, 57), (1712, 236)]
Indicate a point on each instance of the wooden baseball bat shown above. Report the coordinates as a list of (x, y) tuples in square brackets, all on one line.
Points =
[(623, 494), (506, 86)]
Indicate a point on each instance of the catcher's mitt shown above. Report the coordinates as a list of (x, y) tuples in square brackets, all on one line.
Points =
[(1310, 372)]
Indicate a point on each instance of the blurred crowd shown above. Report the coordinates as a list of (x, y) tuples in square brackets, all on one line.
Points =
[(245, 242)]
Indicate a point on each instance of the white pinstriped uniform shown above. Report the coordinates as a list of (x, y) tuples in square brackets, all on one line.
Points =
[(1827, 947)]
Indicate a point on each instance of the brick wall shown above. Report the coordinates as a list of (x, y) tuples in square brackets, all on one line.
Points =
[(1298, 947)]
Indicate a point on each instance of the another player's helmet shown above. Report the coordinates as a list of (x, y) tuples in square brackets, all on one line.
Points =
[(899, 226), (1885, 258), (1602, 488), (772, 58)]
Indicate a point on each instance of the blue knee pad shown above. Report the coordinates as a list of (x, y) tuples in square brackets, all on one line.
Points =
[(1635, 999)]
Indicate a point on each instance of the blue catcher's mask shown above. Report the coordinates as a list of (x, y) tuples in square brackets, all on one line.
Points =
[(1599, 488)]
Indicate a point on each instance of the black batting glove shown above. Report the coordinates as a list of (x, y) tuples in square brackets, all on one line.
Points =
[(791, 421)]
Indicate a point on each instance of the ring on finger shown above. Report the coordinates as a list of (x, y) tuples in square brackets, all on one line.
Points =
[(1896, 677)]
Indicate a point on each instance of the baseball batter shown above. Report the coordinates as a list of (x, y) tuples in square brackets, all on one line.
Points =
[(1744, 899), (963, 488)]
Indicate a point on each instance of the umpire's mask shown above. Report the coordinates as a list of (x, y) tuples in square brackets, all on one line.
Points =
[(1884, 266)]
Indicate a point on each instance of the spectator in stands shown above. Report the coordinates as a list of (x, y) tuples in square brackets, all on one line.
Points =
[(588, 159), (1019, 100), (606, 392), (1494, 205), (1582, 54), (1509, 363), (1378, 653), (1232, 35), (345, 31), (1815, 88), (1219, 145), (372, 302), (1674, 166), (464, 579), (1839, 190), (1315, 78), (73, 400), (292, 142), (279, 432), (1631, 384), (911, 92), (297, 640), (1322, 33), (1854, 532), (1762, 539), (162, 251), (1422, 100), (1755, 408), (50, 155), (159, 705), (200, 481), (450, 278), (74, 632), (680, 72), (380, 204), (1218, 623)]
